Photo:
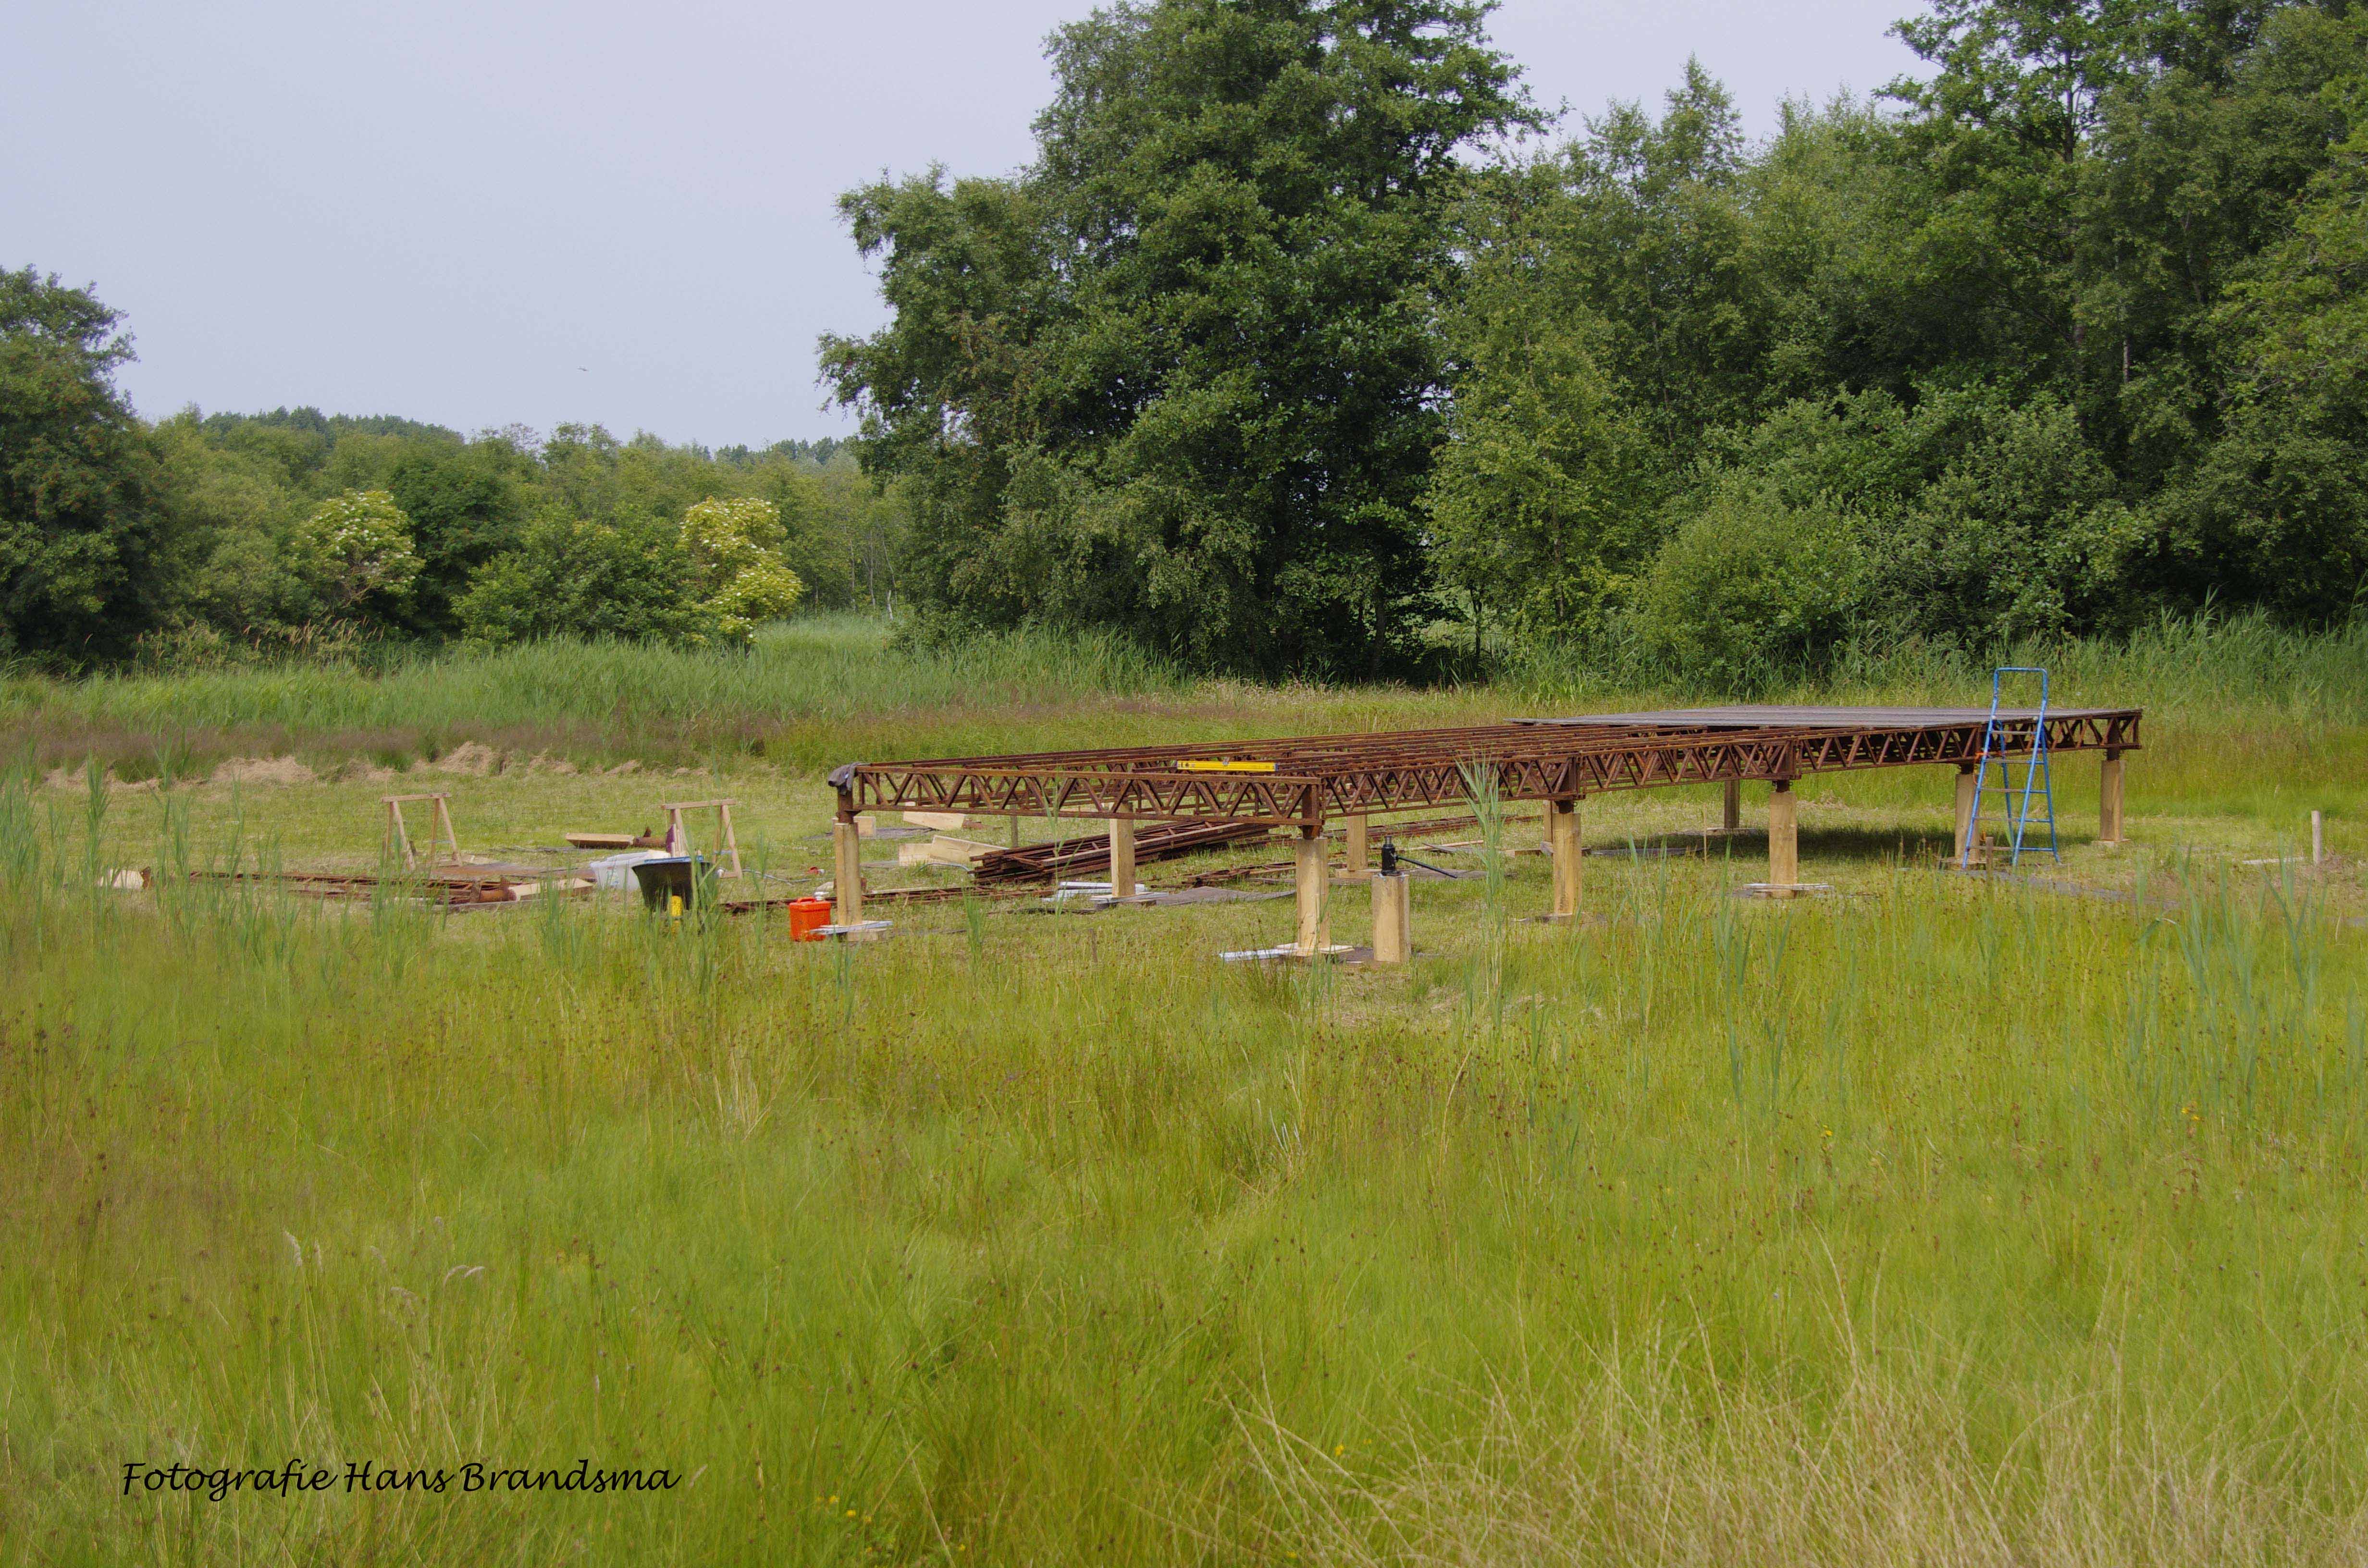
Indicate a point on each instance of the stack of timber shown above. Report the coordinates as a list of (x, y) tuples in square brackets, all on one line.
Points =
[(1067, 858)]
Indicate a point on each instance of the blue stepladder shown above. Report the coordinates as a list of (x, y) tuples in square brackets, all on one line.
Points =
[(2015, 806)]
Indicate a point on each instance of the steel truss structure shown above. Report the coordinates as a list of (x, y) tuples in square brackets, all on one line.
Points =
[(1303, 780)]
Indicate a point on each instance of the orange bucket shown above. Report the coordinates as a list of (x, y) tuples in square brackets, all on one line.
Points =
[(807, 917)]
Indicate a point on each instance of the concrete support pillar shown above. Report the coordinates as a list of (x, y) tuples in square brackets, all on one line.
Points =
[(1393, 929), (1731, 815), (1358, 844), (1314, 881), (1562, 844), (1966, 778), (1783, 839), (2109, 801), (1121, 837), (847, 872)]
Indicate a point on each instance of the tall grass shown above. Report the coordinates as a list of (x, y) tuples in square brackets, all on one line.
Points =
[(600, 697), (2182, 666), (816, 692), (1946, 1224)]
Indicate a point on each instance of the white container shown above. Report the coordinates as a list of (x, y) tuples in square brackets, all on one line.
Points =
[(614, 873)]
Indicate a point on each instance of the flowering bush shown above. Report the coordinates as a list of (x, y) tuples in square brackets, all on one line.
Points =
[(735, 549), (358, 544)]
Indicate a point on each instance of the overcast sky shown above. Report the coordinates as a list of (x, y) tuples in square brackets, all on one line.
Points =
[(503, 211)]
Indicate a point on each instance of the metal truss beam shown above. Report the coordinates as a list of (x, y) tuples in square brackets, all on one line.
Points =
[(1303, 780)]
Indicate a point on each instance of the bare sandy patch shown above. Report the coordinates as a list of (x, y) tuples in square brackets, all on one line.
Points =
[(474, 759), (262, 770)]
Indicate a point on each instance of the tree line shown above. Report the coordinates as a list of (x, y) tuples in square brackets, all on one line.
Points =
[(1303, 346), (228, 538), (1308, 343)]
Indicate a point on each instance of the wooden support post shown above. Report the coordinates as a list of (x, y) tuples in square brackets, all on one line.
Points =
[(1963, 837), (439, 828), (1731, 816), (847, 856), (1358, 844), (1393, 933), (1562, 844), (396, 838), (731, 846), (677, 835), (1121, 837), (2109, 801), (1315, 892), (1014, 819), (1783, 840), (2318, 838)]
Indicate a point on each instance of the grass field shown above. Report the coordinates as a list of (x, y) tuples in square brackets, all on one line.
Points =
[(1933, 1222)]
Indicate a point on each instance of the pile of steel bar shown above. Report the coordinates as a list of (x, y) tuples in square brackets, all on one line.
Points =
[(1304, 780), (1442, 825), (1072, 856), (451, 886)]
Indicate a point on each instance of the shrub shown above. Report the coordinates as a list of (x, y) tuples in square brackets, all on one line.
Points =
[(1751, 591), (631, 579)]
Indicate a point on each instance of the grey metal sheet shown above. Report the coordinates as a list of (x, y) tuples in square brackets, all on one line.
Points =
[(1774, 716)]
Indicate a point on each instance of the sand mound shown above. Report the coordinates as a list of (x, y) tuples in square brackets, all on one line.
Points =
[(474, 758), (262, 770)]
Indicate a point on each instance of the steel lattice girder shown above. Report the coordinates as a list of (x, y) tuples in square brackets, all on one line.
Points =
[(1317, 777)]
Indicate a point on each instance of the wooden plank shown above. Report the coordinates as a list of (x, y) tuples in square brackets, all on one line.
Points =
[(1393, 929), (1783, 840), (1122, 858), (1968, 779), (847, 856), (2108, 799), (1314, 886), (942, 851), (1563, 843)]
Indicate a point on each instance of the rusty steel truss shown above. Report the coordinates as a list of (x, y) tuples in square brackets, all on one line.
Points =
[(1303, 780)]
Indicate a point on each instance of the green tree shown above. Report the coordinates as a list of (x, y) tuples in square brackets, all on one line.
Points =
[(1542, 505), (239, 513), (464, 506), (2274, 511), (1179, 377), (86, 560), (1656, 228)]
